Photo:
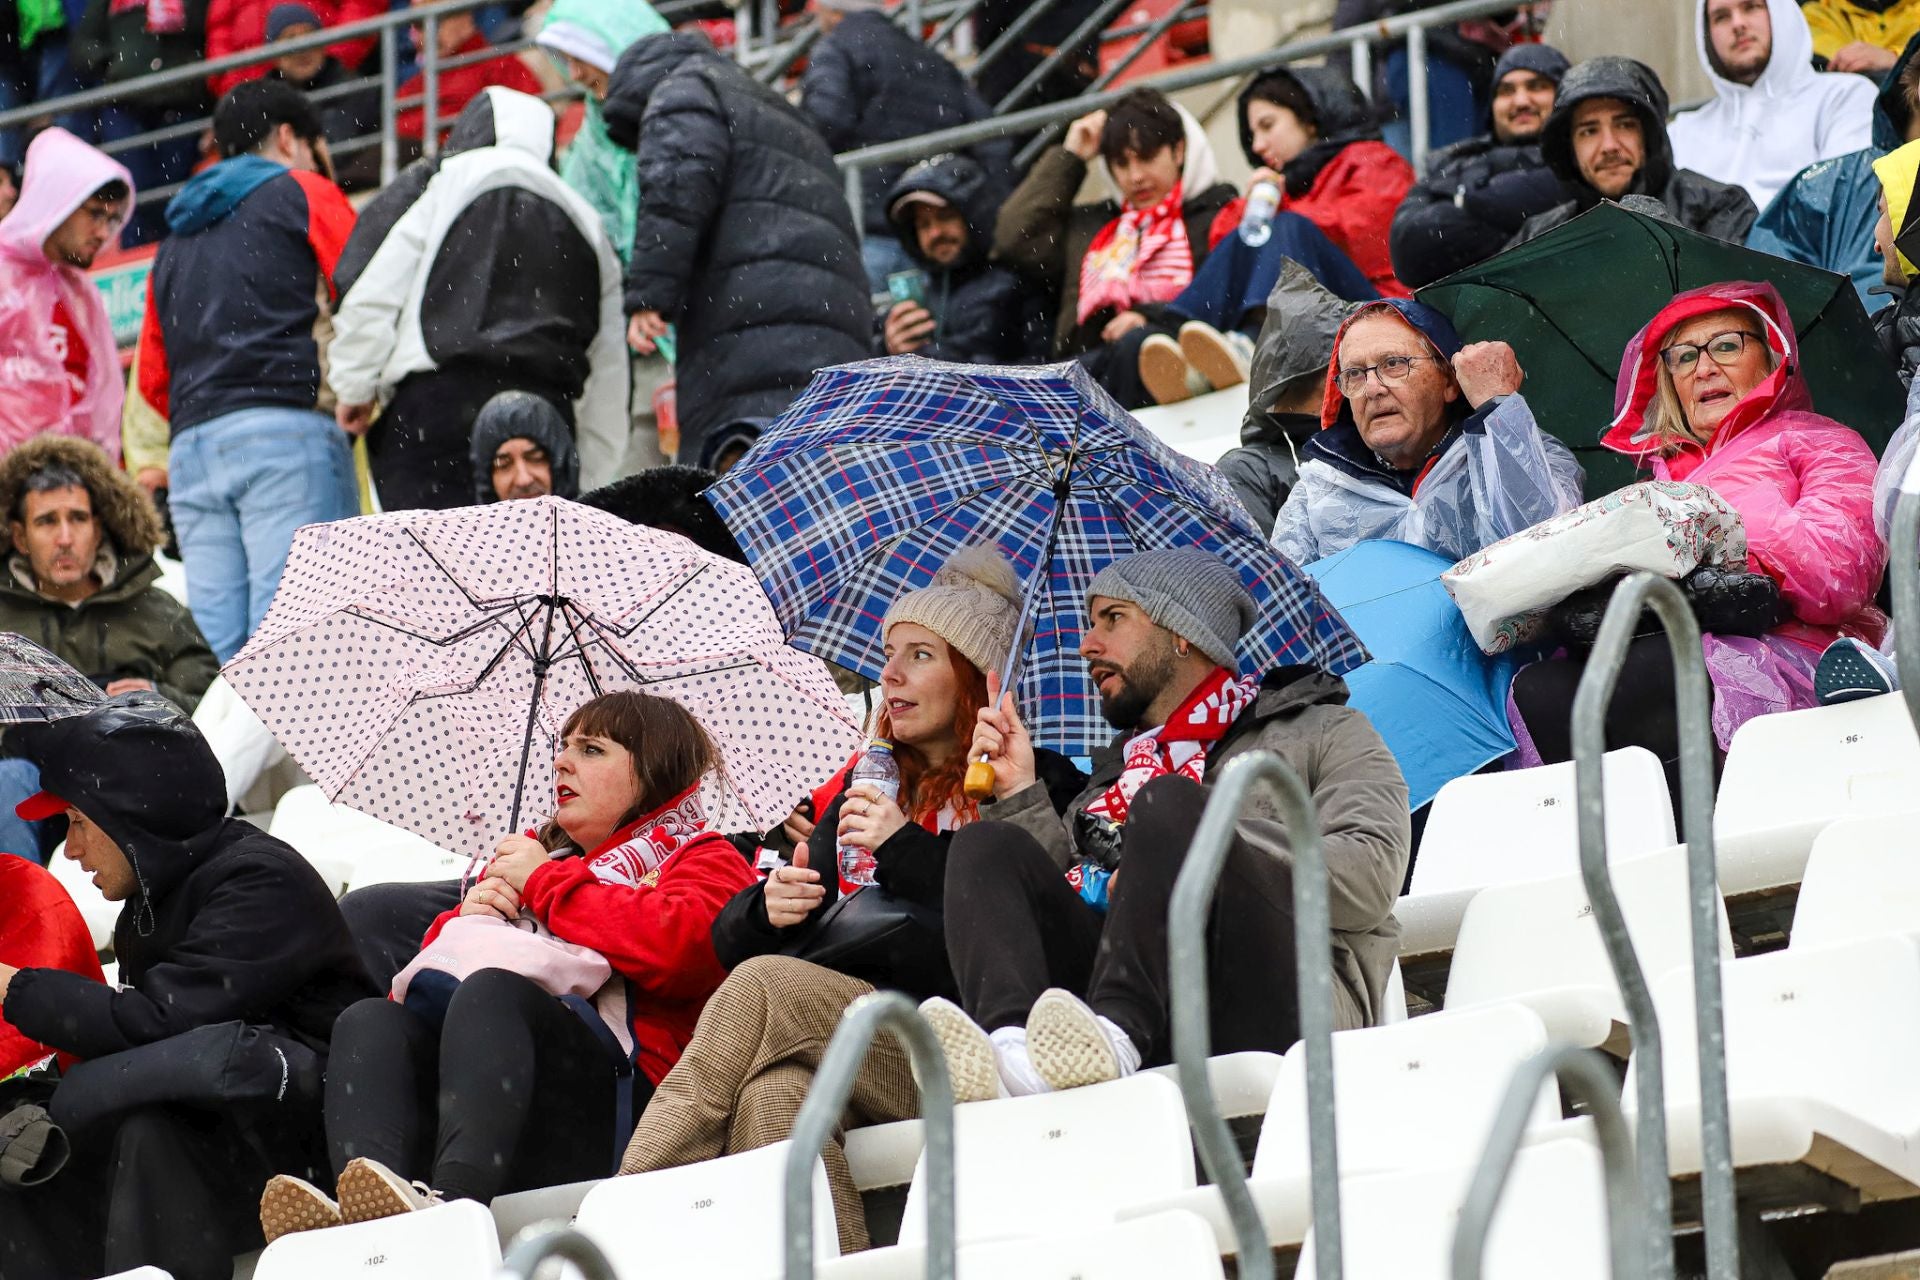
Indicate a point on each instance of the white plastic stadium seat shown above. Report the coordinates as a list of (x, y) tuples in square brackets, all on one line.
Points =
[(1821, 1043), (1165, 1246), (1787, 776), (717, 1219), (1501, 828), (141, 1273), (1862, 879), (1056, 1161), (94, 909), (518, 1210), (446, 1242), (1202, 427), (1409, 1095), (1537, 944), (1551, 1221), (245, 748), (350, 849), (884, 1155)]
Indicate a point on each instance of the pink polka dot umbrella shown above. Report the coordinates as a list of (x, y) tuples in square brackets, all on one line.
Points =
[(419, 665)]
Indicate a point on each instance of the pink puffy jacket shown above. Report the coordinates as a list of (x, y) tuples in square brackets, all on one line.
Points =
[(36, 394), (1803, 484)]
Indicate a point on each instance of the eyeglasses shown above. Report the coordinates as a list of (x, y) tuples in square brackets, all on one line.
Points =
[(1392, 369), (1725, 348), (112, 216)]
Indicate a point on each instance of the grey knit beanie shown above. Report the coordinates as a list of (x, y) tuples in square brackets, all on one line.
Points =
[(1192, 593), (973, 603)]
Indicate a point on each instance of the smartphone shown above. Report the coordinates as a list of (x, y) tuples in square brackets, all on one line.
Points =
[(908, 286)]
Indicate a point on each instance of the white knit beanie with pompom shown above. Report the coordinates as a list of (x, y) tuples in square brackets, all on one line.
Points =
[(973, 603)]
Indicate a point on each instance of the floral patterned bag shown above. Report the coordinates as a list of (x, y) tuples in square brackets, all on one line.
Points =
[(1506, 591)]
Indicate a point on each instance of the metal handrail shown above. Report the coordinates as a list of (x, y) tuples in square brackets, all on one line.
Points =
[(1585, 1073), (1149, 34), (1101, 15), (536, 1245), (827, 1101), (1187, 914), (1904, 540), (1693, 701)]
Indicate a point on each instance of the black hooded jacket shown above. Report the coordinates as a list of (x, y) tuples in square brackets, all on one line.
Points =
[(1477, 192), (1697, 202), (521, 415), (226, 923), (980, 311), (1341, 117), (744, 238), (868, 81)]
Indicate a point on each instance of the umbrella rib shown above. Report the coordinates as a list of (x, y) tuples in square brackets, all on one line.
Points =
[(1550, 322), (445, 572), (1172, 495), (486, 620)]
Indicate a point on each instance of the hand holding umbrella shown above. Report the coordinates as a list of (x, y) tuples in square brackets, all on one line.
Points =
[(1002, 752)]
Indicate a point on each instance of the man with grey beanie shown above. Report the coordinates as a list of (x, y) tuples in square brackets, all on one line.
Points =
[(1060, 955)]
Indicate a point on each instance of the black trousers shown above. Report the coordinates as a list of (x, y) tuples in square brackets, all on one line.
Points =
[(513, 1092), (421, 449), (1116, 365), (1642, 714), (1015, 927), (168, 1187), (388, 921)]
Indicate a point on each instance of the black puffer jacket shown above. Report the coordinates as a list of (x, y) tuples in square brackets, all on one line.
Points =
[(744, 239), (980, 310), (226, 923), (1475, 197), (869, 81), (1696, 202)]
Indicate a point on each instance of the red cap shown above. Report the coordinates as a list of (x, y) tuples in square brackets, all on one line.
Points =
[(41, 804)]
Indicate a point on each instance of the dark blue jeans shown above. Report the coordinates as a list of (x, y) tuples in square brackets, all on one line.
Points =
[(42, 73), (1237, 278), (155, 165)]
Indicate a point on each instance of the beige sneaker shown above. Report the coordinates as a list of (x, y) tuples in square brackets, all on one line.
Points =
[(1223, 359), (1070, 1046), (368, 1190), (1165, 372), (290, 1204), (971, 1061)]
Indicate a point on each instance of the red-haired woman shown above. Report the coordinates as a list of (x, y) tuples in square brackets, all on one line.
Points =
[(741, 1081)]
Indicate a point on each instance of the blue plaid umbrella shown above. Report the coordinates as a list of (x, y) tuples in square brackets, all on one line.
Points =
[(881, 470)]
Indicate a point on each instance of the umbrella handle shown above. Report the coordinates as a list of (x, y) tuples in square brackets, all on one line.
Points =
[(978, 784)]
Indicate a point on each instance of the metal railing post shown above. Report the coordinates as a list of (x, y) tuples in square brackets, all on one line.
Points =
[(1360, 52), (1093, 22), (389, 113), (1587, 1076), (1905, 537), (1016, 31), (1159, 27), (827, 1100), (430, 87), (952, 23), (1693, 697), (856, 201), (1419, 114), (1187, 913), (535, 1245)]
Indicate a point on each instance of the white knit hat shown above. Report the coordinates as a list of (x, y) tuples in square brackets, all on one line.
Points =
[(973, 603)]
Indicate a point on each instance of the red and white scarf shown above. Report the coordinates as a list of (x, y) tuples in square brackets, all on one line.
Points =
[(634, 856), (1180, 746), (164, 17), (1141, 256)]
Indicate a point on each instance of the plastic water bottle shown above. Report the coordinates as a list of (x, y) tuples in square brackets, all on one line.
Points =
[(876, 773), (1256, 219)]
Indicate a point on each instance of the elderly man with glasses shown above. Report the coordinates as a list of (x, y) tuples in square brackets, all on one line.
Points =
[(1422, 441)]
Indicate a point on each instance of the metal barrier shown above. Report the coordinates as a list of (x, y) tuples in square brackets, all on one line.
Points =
[(1587, 1075), (1191, 903), (1356, 43), (827, 1100), (1693, 699), (1904, 538), (536, 1245)]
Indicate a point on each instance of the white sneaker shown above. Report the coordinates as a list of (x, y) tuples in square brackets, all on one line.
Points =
[(368, 1190), (972, 1064), (1223, 359), (1074, 1046)]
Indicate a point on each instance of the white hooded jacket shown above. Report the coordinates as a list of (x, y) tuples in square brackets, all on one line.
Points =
[(1759, 135)]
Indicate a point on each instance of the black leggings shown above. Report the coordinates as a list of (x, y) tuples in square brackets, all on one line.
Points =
[(514, 1091), (1015, 927)]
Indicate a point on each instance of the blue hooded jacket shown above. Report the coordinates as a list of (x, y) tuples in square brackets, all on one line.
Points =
[(1825, 216)]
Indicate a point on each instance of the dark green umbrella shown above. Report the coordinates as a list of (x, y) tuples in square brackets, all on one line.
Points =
[(1569, 302)]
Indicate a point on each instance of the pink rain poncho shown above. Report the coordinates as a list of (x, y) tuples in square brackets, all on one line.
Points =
[(36, 391), (1803, 486)]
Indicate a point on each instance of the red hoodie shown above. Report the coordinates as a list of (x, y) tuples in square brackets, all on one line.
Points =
[(40, 929), (646, 899)]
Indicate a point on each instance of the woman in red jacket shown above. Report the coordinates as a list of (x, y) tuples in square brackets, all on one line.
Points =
[(492, 1084)]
